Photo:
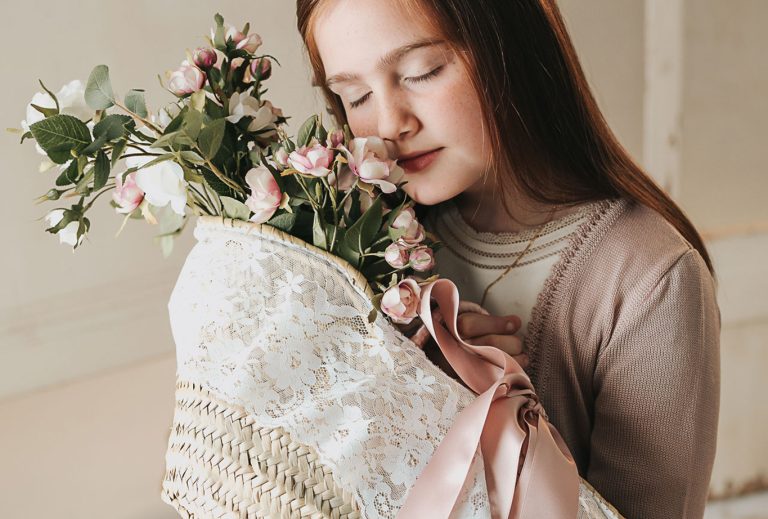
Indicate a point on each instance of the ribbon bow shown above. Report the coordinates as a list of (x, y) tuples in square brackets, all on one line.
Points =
[(506, 420)]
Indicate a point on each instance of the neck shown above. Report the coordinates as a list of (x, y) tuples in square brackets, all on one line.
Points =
[(485, 213)]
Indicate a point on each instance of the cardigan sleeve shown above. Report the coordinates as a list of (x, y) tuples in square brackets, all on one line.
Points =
[(657, 396)]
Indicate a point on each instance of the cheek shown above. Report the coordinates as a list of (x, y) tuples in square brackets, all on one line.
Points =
[(360, 123)]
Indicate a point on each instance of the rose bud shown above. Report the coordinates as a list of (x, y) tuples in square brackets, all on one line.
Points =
[(414, 231), (335, 138), (401, 302), (265, 195), (186, 79), (250, 43), (205, 58), (315, 160), (396, 255), (422, 259), (127, 194), (261, 68)]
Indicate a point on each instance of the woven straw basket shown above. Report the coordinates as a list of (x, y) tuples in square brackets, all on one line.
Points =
[(223, 459)]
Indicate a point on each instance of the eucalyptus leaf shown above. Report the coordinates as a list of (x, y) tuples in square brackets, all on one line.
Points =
[(211, 137), (98, 90), (101, 170), (284, 221), (307, 131), (235, 209), (134, 101), (319, 239)]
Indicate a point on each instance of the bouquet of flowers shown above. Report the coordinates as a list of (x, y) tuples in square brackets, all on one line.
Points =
[(295, 394)]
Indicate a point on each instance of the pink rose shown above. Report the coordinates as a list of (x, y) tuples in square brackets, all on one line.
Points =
[(249, 43), (414, 231), (396, 255), (205, 58), (422, 259), (368, 158), (335, 138), (186, 79), (127, 194), (261, 68), (401, 302), (314, 160), (265, 195)]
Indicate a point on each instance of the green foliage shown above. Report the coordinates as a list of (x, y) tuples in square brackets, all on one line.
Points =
[(98, 90), (60, 134)]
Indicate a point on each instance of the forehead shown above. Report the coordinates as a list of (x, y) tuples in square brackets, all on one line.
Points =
[(353, 35)]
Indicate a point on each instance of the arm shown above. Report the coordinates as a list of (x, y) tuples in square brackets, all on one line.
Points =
[(657, 387)]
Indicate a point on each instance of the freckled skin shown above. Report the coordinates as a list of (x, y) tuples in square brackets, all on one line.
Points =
[(442, 111)]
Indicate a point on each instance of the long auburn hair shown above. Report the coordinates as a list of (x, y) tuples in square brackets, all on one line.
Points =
[(548, 136)]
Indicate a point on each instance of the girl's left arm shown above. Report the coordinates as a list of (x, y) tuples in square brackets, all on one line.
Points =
[(657, 384)]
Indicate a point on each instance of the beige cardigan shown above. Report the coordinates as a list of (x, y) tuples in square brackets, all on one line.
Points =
[(624, 348), (624, 345)]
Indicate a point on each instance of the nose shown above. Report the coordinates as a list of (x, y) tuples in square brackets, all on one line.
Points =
[(396, 120)]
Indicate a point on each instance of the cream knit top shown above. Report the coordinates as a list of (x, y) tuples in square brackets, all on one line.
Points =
[(473, 260), (624, 349)]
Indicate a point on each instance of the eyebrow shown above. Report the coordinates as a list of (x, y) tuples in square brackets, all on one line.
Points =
[(388, 59)]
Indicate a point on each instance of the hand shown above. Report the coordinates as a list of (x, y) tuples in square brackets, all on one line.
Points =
[(477, 327), (483, 329)]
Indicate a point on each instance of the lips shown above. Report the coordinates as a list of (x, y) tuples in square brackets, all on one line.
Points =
[(419, 162)]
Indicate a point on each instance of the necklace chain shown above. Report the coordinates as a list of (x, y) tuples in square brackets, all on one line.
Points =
[(519, 256)]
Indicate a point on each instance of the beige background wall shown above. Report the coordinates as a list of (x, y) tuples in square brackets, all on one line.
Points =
[(86, 357)]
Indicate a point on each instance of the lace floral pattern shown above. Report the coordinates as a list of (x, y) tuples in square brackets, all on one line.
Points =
[(281, 330)]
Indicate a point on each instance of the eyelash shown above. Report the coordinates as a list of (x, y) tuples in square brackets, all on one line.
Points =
[(417, 79)]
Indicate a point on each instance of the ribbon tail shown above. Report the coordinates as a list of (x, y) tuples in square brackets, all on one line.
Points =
[(548, 486)]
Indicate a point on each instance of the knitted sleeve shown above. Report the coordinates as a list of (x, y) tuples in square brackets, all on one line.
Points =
[(657, 387)]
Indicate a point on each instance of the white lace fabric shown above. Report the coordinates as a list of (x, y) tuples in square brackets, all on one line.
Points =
[(280, 329)]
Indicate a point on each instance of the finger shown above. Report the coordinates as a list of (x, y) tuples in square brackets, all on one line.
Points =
[(508, 343), (522, 359), (475, 325)]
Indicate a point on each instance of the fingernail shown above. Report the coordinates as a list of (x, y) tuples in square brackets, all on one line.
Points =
[(511, 327)]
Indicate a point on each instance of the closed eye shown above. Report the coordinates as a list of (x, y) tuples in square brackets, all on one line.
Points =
[(417, 79)]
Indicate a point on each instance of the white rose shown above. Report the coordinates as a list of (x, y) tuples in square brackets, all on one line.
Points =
[(71, 102), (162, 183), (244, 105), (67, 235)]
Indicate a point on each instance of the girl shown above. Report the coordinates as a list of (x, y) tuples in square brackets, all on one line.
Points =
[(544, 215)]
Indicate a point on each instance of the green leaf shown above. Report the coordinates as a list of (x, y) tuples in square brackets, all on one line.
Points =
[(284, 222), (101, 170), (82, 187), (95, 145), (113, 126), (217, 185), (61, 133), (307, 131), (98, 90), (218, 39), (53, 96), (48, 112), (210, 138), (134, 101), (117, 150), (69, 175), (235, 209), (193, 122), (319, 239), (361, 233)]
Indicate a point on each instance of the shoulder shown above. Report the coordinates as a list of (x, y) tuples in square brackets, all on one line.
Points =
[(636, 247)]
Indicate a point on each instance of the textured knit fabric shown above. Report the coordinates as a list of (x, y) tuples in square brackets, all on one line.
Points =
[(624, 347), (474, 259)]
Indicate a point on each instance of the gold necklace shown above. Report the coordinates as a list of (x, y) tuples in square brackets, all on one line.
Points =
[(519, 257)]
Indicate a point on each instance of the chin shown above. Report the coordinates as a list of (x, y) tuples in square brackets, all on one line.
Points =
[(426, 194)]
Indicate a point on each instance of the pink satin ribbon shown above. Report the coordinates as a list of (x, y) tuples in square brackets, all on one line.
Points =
[(506, 412)]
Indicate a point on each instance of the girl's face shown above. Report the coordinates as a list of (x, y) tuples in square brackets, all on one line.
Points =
[(419, 99)]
